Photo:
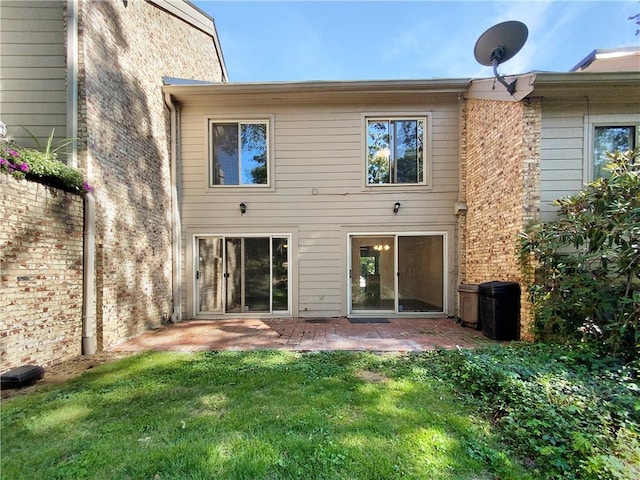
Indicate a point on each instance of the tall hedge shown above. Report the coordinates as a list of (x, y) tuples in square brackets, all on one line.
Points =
[(583, 269)]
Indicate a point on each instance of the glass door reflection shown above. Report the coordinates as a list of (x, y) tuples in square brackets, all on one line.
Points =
[(372, 273)]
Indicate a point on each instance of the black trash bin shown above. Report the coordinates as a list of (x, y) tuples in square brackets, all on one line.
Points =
[(500, 310)]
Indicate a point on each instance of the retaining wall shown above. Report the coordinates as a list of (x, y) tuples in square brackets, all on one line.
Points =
[(41, 244)]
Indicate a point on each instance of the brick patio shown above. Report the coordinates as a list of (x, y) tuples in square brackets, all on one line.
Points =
[(398, 335)]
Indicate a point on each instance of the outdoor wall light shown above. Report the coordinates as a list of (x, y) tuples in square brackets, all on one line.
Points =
[(243, 208), (396, 207)]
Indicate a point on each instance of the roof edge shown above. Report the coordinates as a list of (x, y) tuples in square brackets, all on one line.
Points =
[(571, 78), (197, 18), (434, 85), (604, 53)]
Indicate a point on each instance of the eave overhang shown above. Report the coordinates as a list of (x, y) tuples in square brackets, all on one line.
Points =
[(313, 92), (603, 85)]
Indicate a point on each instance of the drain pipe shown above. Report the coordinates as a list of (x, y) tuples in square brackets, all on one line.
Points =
[(176, 234), (89, 343), (89, 340), (72, 80)]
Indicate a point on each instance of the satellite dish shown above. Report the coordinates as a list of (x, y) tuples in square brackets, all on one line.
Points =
[(500, 43)]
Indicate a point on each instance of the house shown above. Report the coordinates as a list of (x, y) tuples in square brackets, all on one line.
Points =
[(296, 199), (319, 198), (93, 71), (610, 60), (377, 198), (524, 152)]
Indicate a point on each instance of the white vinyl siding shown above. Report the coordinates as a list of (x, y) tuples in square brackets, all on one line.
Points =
[(33, 65), (565, 146), (318, 196)]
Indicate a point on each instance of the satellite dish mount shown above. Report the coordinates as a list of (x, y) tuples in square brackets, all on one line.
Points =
[(499, 44), (496, 58)]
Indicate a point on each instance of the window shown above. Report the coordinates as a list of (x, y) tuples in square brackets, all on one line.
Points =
[(608, 138), (396, 151), (239, 153)]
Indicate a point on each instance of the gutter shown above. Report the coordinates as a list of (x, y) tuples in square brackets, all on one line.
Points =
[(316, 87), (176, 227), (569, 82)]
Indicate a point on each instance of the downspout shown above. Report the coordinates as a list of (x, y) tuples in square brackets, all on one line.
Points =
[(72, 81), (460, 205), (89, 343), (176, 228)]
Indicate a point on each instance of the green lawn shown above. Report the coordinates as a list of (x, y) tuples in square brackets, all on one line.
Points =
[(258, 415), (507, 412)]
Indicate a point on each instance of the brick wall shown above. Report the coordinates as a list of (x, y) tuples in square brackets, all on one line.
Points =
[(40, 274), (124, 53), (501, 157)]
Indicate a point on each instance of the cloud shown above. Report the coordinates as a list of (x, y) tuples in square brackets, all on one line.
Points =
[(419, 39), (431, 45)]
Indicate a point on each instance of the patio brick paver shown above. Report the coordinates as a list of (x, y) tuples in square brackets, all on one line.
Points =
[(399, 335)]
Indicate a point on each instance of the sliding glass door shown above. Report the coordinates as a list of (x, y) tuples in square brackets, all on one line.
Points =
[(396, 273), (209, 273), (372, 273), (420, 273), (242, 275)]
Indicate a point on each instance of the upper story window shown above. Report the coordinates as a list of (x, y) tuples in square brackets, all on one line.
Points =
[(396, 151), (609, 138), (239, 153)]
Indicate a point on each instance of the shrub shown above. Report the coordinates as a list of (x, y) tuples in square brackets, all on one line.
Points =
[(41, 166), (567, 412), (584, 268)]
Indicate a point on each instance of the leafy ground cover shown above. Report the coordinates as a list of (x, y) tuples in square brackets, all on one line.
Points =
[(569, 411), (284, 415)]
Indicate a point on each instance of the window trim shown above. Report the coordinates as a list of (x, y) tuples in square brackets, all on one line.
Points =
[(608, 120), (426, 182), (264, 119)]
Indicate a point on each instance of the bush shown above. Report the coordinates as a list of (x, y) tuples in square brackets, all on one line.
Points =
[(41, 166), (583, 270), (568, 413)]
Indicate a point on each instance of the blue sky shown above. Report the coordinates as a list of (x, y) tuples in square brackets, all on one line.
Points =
[(379, 40)]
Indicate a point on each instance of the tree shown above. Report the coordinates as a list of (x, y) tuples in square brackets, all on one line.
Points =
[(636, 17), (584, 268)]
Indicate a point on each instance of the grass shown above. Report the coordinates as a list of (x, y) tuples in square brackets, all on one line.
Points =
[(257, 415)]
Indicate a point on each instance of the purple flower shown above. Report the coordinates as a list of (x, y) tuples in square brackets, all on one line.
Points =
[(13, 153), (3, 161), (24, 167), (87, 187)]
